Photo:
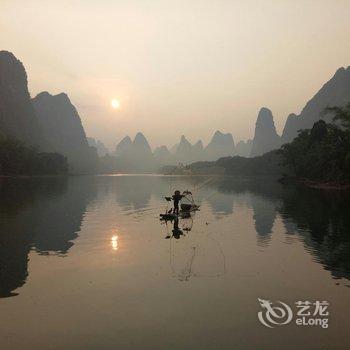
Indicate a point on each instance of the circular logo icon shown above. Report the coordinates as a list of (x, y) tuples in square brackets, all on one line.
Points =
[(274, 315)]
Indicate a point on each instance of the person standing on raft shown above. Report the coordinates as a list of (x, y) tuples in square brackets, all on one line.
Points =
[(177, 196)]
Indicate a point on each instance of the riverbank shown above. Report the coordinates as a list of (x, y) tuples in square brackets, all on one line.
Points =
[(330, 185), (325, 185)]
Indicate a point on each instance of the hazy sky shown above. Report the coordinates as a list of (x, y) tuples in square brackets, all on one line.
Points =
[(178, 67)]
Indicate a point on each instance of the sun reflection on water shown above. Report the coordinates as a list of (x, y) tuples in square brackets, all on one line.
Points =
[(114, 242)]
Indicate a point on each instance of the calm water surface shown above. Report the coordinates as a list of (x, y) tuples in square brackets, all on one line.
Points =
[(85, 263)]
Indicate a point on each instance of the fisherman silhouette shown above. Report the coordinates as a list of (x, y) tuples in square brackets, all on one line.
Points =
[(177, 196), (175, 211)]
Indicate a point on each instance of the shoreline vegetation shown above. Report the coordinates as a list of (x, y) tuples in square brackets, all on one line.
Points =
[(324, 185), (17, 158)]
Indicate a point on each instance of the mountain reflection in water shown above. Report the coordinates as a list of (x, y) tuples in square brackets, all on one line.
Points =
[(88, 257), (45, 215)]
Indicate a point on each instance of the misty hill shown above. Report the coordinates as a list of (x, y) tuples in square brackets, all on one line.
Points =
[(243, 148), (161, 151), (265, 137), (173, 149), (137, 154), (141, 154), (336, 92), (141, 146), (197, 150), (61, 124), (17, 116), (221, 145), (134, 155), (184, 151), (102, 150), (268, 164), (49, 122), (162, 156), (123, 147)]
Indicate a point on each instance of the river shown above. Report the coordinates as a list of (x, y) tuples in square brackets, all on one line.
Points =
[(85, 263)]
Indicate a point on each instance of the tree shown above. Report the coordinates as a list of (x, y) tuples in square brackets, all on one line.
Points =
[(322, 153), (16, 158), (341, 114)]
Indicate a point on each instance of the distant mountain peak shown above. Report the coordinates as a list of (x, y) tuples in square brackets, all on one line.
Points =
[(335, 92), (63, 97), (140, 137), (5, 53), (218, 133), (139, 134), (141, 144), (136, 155), (126, 139), (42, 94), (184, 145), (265, 110), (220, 145), (198, 149), (7, 57), (124, 146), (17, 116), (340, 71), (199, 143), (183, 139), (265, 136), (60, 121), (265, 120), (264, 113), (161, 151)]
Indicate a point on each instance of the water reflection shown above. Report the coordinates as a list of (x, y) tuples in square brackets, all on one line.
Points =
[(264, 218), (262, 198), (59, 218), (46, 215), (134, 191), (114, 242), (221, 203), (42, 214), (321, 219), (198, 255)]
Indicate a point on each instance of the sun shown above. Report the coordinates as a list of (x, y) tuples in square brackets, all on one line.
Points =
[(115, 103)]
